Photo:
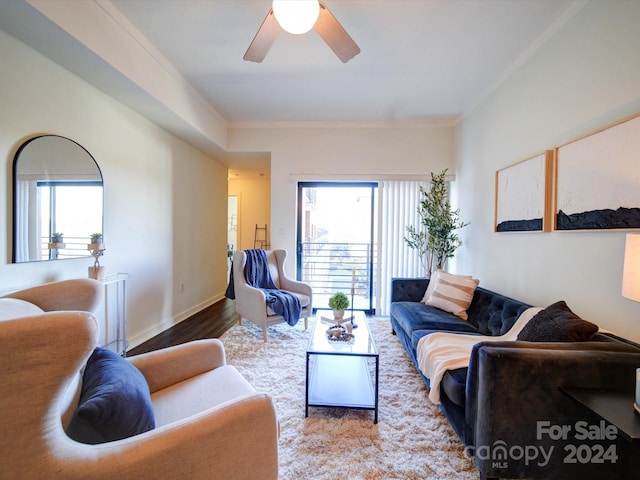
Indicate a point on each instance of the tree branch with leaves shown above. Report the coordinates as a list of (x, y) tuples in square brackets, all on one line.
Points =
[(436, 240)]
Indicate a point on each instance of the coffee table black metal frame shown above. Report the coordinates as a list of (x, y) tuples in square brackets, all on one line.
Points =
[(338, 373)]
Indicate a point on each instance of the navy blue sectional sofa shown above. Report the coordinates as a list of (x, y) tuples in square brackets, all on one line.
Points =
[(496, 404)]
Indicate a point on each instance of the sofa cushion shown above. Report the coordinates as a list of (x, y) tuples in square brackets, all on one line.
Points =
[(203, 392), (14, 307), (115, 402), (557, 323), (304, 302), (413, 316), (464, 329), (453, 385), (452, 293)]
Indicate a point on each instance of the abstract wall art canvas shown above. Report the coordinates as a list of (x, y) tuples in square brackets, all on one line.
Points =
[(598, 180), (523, 202)]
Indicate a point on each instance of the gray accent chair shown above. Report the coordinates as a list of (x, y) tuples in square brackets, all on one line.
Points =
[(251, 303)]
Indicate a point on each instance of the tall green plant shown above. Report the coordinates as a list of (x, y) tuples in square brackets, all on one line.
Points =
[(436, 240)]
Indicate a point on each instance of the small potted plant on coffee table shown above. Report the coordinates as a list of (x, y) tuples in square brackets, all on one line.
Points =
[(338, 302)]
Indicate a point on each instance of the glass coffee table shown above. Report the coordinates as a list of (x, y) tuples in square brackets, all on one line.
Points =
[(342, 373)]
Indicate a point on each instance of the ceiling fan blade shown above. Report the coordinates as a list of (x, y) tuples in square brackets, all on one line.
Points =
[(335, 35), (263, 40)]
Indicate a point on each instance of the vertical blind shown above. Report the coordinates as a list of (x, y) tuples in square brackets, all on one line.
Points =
[(399, 200)]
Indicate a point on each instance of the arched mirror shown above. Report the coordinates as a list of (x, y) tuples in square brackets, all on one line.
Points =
[(57, 189)]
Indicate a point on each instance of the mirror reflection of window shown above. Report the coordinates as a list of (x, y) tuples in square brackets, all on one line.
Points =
[(58, 188), (59, 213)]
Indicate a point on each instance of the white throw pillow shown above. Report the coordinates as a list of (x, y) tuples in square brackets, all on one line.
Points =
[(453, 293)]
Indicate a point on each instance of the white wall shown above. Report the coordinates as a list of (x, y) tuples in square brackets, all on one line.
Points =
[(254, 208), (585, 77), (333, 152), (165, 202)]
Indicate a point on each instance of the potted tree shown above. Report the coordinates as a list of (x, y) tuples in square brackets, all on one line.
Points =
[(436, 239), (338, 302)]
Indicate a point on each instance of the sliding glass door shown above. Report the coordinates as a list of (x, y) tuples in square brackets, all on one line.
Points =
[(336, 235)]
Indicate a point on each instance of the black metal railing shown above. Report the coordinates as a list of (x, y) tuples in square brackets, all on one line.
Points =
[(332, 267)]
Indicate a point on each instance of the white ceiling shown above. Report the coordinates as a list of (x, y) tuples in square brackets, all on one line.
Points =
[(421, 60)]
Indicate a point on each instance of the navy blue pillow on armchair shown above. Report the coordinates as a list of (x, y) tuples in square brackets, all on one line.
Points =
[(115, 402)]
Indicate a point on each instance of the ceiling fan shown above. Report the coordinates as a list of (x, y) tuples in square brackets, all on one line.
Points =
[(326, 25)]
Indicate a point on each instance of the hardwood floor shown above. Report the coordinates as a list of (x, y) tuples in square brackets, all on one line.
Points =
[(211, 322)]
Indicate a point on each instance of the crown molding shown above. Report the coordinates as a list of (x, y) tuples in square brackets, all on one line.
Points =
[(443, 122)]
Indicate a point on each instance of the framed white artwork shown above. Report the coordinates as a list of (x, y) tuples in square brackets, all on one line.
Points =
[(598, 180), (523, 195)]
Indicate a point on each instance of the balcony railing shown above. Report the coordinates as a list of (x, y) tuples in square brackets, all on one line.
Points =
[(74, 247), (331, 267)]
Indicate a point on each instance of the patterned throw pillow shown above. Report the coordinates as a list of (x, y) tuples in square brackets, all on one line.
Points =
[(432, 285), (453, 293), (433, 281)]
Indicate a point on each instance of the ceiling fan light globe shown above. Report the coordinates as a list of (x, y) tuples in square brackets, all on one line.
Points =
[(296, 16)]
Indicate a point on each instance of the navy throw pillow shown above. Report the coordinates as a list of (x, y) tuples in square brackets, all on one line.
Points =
[(115, 402), (557, 323)]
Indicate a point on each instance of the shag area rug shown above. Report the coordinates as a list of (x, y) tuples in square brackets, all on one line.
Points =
[(412, 440)]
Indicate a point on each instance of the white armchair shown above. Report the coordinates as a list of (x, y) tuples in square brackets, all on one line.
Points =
[(251, 302), (209, 421)]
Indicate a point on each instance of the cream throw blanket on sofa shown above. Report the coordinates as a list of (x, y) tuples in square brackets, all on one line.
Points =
[(441, 351)]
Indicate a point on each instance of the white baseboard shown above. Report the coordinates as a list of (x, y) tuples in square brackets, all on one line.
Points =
[(148, 334)]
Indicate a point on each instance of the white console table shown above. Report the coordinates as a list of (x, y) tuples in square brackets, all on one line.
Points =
[(113, 324)]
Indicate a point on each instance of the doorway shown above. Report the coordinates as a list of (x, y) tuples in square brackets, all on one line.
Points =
[(337, 224), (232, 228)]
